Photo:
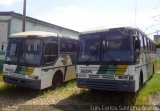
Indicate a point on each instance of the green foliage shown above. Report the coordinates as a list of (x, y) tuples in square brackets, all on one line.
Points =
[(1, 77), (152, 86), (158, 43)]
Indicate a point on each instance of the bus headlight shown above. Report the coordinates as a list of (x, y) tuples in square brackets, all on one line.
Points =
[(123, 77), (131, 77), (5, 72), (126, 77), (35, 77)]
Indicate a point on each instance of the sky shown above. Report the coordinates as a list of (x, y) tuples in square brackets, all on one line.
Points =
[(82, 15)]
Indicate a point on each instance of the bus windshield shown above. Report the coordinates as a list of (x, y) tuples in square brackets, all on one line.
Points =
[(117, 47), (90, 48), (111, 46), (24, 51), (13, 50), (31, 52)]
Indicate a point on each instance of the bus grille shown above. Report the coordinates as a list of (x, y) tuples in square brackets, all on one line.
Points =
[(102, 85), (108, 77), (98, 76)]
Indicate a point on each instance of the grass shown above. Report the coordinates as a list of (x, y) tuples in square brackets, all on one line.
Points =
[(65, 88), (1, 79), (152, 86)]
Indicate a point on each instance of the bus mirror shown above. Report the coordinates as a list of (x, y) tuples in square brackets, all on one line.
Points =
[(2, 47), (137, 44)]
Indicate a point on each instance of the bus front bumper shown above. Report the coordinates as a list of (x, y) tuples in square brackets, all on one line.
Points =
[(108, 85), (34, 84)]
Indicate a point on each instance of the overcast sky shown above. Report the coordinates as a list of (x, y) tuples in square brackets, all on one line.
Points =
[(85, 14)]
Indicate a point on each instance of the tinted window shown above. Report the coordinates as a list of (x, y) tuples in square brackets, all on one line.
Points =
[(31, 51), (50, 50), (141, 41), (13, 50), (145, 42), (68, 45), (90, 48), (117, 47)]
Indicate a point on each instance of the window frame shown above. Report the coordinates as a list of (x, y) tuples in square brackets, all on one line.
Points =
[(46, 41)]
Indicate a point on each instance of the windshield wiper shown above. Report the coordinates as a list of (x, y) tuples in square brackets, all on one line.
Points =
[(109, 55)]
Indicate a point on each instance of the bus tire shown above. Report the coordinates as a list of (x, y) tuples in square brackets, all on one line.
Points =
[(57, 80), (141, 80)]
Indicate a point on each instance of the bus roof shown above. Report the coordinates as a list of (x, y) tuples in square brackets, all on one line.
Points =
[(108, 29), (104, 29), (39, 34), (33, 33)]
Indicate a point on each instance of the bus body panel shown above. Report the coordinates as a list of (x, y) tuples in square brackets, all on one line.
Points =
[(10, 76), (45, 75), (109, 85), (106, 77)]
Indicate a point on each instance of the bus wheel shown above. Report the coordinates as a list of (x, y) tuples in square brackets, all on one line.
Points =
[(57, 80), (140, 81)]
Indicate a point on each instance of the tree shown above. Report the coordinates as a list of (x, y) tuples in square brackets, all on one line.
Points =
[(158, 43)]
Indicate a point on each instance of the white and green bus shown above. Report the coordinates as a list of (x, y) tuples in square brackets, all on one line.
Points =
[(39, 60), (116, 59)]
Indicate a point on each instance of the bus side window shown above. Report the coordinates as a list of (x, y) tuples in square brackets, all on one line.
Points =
[(50, 52), (148, 44), (68, 45), (75, 46), (65, 45), (145, 43), (141, 38), (137, 48)]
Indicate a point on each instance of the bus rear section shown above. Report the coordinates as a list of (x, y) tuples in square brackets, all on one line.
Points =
[(109, 60)]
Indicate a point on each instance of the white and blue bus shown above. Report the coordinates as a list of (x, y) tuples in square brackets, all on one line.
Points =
[(39, 60), (116, 59)]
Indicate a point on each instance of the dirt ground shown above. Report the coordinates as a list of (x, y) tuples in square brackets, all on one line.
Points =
[(23, 99)]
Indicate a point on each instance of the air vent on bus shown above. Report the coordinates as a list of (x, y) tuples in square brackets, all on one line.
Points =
[(98, 76)]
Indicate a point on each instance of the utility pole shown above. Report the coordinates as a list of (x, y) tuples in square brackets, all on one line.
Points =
[(24, 16), (157, 32)]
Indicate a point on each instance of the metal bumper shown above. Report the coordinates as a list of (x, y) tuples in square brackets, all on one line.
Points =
[(34, 84), (109, 85)]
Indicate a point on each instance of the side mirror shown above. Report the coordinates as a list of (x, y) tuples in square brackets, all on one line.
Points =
[(137, 44), (2, 48)]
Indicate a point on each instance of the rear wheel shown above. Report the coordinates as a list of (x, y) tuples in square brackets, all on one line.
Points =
[(57, 80)]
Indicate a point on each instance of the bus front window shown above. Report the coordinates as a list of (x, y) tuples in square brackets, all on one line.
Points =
[(117, 47), (89, 48), (31, 52), (13, 50)]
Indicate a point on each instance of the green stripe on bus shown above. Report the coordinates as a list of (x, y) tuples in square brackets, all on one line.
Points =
[(106, 69)]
